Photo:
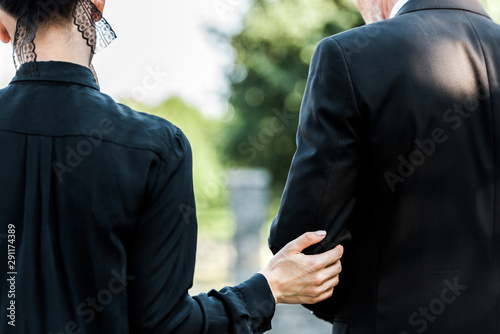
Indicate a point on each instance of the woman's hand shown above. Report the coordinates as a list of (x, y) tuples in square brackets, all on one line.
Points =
[(296, 278)]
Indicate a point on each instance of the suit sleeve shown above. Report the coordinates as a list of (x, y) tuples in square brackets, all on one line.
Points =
[(319, 193), (161, 262)]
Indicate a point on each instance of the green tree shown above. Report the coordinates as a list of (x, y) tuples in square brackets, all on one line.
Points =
[(273, 53)]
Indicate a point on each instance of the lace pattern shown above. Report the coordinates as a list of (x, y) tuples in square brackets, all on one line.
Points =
[(93, 26), (24, 46), (90, 23)]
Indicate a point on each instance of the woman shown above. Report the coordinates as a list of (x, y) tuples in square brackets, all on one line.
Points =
[(93, 201)]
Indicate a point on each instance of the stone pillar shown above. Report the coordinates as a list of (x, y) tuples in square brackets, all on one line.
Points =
[(249, 197)]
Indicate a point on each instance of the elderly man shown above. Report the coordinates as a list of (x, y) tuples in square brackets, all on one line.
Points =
[(398, 158), (98, 226)]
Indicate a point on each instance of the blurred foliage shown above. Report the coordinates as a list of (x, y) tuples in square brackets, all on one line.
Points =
[(215, 221), (273, 53)]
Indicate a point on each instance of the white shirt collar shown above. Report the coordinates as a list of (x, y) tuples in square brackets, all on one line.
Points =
[(397, 7)]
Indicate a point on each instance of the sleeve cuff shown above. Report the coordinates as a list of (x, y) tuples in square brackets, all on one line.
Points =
[(260, 302)]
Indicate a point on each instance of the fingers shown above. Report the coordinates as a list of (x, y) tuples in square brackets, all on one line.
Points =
[(326, 259), (323, 296), (319, 277), (330, 284), (306, 240), (306, 279), (331, 272), (325, 279), (323, 284), (321, 292)]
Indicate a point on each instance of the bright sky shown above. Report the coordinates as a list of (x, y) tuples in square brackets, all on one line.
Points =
[(163, 49)]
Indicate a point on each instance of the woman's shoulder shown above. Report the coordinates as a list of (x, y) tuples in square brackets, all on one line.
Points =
[(140, 130)]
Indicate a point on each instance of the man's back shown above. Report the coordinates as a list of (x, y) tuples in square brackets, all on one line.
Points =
[(408, 165)]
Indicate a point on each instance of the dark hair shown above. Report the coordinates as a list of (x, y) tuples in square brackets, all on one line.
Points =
[(49, 9)]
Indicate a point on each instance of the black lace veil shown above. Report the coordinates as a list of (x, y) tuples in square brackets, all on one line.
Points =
[(88, 19), (24, 46), (93, 26)]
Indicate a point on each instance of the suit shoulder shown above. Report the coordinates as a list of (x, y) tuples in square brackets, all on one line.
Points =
[(351, 41), (371, 41), (366, 34)]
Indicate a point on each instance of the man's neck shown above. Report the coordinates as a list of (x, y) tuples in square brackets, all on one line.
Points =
[(375, 11)]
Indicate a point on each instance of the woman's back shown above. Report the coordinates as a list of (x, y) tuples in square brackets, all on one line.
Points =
[(78, 175)]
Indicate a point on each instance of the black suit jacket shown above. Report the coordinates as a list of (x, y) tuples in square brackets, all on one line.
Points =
[(399, 159)]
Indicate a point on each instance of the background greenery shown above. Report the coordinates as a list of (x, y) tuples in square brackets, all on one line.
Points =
[(272, 56), (273, 53)]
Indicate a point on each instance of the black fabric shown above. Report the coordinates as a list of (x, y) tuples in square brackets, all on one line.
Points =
[(102, 203), (340, 328), (398, 158)]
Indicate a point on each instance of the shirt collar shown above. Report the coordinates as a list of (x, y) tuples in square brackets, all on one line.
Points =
[(60, 72), (397, 7), (409, 6)]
